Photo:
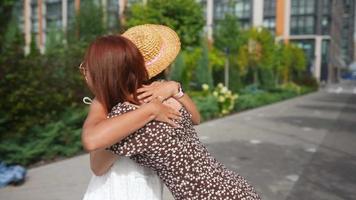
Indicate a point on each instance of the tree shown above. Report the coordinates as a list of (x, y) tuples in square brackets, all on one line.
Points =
[(299, 62), (203, 72), (228, 38), (6, 8), (256, 54), (227, 34), (183, 16), (88, 23), (290, 61)]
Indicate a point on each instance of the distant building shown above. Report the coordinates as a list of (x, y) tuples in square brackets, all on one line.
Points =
[(38, 17), (323, 28)]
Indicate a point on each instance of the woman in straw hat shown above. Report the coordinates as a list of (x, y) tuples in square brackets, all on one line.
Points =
[(175, 153), (122, 178)]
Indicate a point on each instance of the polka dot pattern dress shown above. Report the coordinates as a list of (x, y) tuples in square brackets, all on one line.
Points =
[(181, 161)]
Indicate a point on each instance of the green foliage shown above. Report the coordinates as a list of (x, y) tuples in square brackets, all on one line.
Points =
[(6, 10), (203, 72), (256, 54), (216, 59), (183, 16), (207, 104), (214, 102), (227, 34), (251, 100), (307, 80), (177, 71), (226, 99), (59, 138), (88, 23), (191, 57), (290, 62), (36, 90)]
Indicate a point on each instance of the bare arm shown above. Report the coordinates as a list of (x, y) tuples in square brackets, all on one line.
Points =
[(191, 107), (98, 133), (100, 160)]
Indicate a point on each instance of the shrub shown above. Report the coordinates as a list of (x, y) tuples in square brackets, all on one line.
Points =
[(226, 99), (207, 105), (43, 143), (214, 102), (184, 16)]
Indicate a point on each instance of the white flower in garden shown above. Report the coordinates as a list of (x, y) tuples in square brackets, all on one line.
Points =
[(224, 111), (229, 93), (215, 93), (220, 85), (221, 99), (231, 106), (205, 87), (235, 96), (224, 89)]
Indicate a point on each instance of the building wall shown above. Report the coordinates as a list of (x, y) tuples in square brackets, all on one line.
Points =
[(335, 58), (40, 17), (314, 25), (323, 28)]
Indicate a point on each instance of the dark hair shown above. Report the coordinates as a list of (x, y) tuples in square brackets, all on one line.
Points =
[(116, 70)]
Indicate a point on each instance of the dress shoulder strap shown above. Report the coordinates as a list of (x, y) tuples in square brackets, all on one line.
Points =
[(87, 100)]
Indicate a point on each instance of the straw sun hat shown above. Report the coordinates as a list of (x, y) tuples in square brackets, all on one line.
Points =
[(158, 44)]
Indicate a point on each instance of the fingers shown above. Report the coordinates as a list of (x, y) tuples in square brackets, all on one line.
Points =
[(144, 95), (172, 123), (173, 116), (174, 112), (160, 98), (143, 89), (148, 99)]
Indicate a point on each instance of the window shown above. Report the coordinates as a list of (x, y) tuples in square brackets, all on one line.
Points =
[(54, 15), (302, 17), (113, 14), (240, 8), (269, 14), (308, 47), (326, 5), (326, 17)]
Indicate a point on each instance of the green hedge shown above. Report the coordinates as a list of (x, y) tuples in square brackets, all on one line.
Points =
[(249, 99), (60, 138)]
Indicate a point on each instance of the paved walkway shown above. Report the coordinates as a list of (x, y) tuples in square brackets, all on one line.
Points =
[(303, 148)]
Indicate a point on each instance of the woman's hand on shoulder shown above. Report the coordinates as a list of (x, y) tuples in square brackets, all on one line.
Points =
[(164, 89), (162, 112)]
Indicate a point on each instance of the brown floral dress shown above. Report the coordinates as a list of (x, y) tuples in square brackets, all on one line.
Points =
[(181, 161)]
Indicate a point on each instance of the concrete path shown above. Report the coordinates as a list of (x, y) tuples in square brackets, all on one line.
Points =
[(300, 149)]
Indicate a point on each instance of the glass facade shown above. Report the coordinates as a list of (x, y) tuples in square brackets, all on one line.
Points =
[(325, 17), (269, 15), (113, 14), (34, 17), (54, 15), (303, 19), (240, 8), (347, 31), (324, 60), (308, 45)]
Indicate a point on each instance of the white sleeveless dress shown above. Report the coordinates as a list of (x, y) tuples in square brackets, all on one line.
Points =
[(126, 180)]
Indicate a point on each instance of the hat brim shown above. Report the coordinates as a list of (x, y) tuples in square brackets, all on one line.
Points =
[(169, 50)]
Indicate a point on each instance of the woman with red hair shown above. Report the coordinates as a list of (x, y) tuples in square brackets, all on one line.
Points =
[(172, 148)]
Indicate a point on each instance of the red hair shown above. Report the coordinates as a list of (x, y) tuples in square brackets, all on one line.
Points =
[(116, 69)]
